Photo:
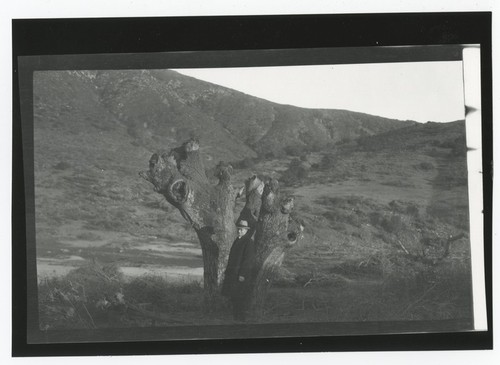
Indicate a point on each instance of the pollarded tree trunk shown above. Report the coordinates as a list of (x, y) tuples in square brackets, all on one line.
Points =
[(180, 177), (276, 232)]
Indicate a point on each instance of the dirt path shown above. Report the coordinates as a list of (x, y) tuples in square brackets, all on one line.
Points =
[(53, 268)]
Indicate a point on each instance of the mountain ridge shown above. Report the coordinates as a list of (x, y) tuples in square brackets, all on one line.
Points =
[(159, 107)]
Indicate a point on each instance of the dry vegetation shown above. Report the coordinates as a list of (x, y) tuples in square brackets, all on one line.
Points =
[(378, 211), (366, 256)]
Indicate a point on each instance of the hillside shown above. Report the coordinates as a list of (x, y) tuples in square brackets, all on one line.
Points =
[(158, 107)]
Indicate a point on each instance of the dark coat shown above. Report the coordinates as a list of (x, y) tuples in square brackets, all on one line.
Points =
[(241, 262)]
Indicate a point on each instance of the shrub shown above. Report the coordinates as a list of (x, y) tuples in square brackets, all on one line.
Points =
[(296, 172), (147, 288), (370, 267), (96, 296), (332, 216), (412, 210), (426, 166), (439, 209), (159, 293), (399, 184), (393, 224), (269, 155), (295, 150), (328, 161), (78, 299), (354, 220), (344, 140), (433, 152), (402, 207), (339, 216), (375, 218), (62, 166), (339, 226), (88, 236), (246, 163), (98, 280)]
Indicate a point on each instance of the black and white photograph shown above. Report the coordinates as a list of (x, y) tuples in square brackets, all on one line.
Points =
[(251, 197), (312, 194)]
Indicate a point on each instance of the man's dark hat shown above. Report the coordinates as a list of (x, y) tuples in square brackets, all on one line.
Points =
[(242, 224)]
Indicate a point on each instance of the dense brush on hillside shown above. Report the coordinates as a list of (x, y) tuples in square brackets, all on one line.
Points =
[(158, 107)]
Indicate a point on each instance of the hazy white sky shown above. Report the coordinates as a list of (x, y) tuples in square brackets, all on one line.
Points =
[(420, 91)]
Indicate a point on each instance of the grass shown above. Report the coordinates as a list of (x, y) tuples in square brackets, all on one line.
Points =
[(350, 266), (385, 288)]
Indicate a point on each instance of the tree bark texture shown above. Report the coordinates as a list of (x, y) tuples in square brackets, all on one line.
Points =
[(179, 176), (276, 233)]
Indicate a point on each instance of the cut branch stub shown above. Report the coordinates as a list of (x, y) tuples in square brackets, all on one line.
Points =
[(253, 191), (270, 197), (295, 231), (180, 177), (167, 180), (189, 161)]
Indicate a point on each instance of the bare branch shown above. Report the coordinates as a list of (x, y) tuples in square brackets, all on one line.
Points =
[(270, 197), (223, 172)]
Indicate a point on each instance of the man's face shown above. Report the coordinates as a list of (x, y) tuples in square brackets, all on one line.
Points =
[(241, 232)]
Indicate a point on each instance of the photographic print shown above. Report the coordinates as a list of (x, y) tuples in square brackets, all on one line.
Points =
[(252, 195), (235, 198)]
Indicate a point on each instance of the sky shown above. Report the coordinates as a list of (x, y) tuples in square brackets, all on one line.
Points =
[(419, 91)]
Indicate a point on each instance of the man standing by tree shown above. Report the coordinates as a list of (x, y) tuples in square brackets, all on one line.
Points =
[(240, 272), (180, 177)]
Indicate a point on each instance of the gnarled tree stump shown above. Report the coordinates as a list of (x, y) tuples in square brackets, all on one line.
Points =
[(179, 176)]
